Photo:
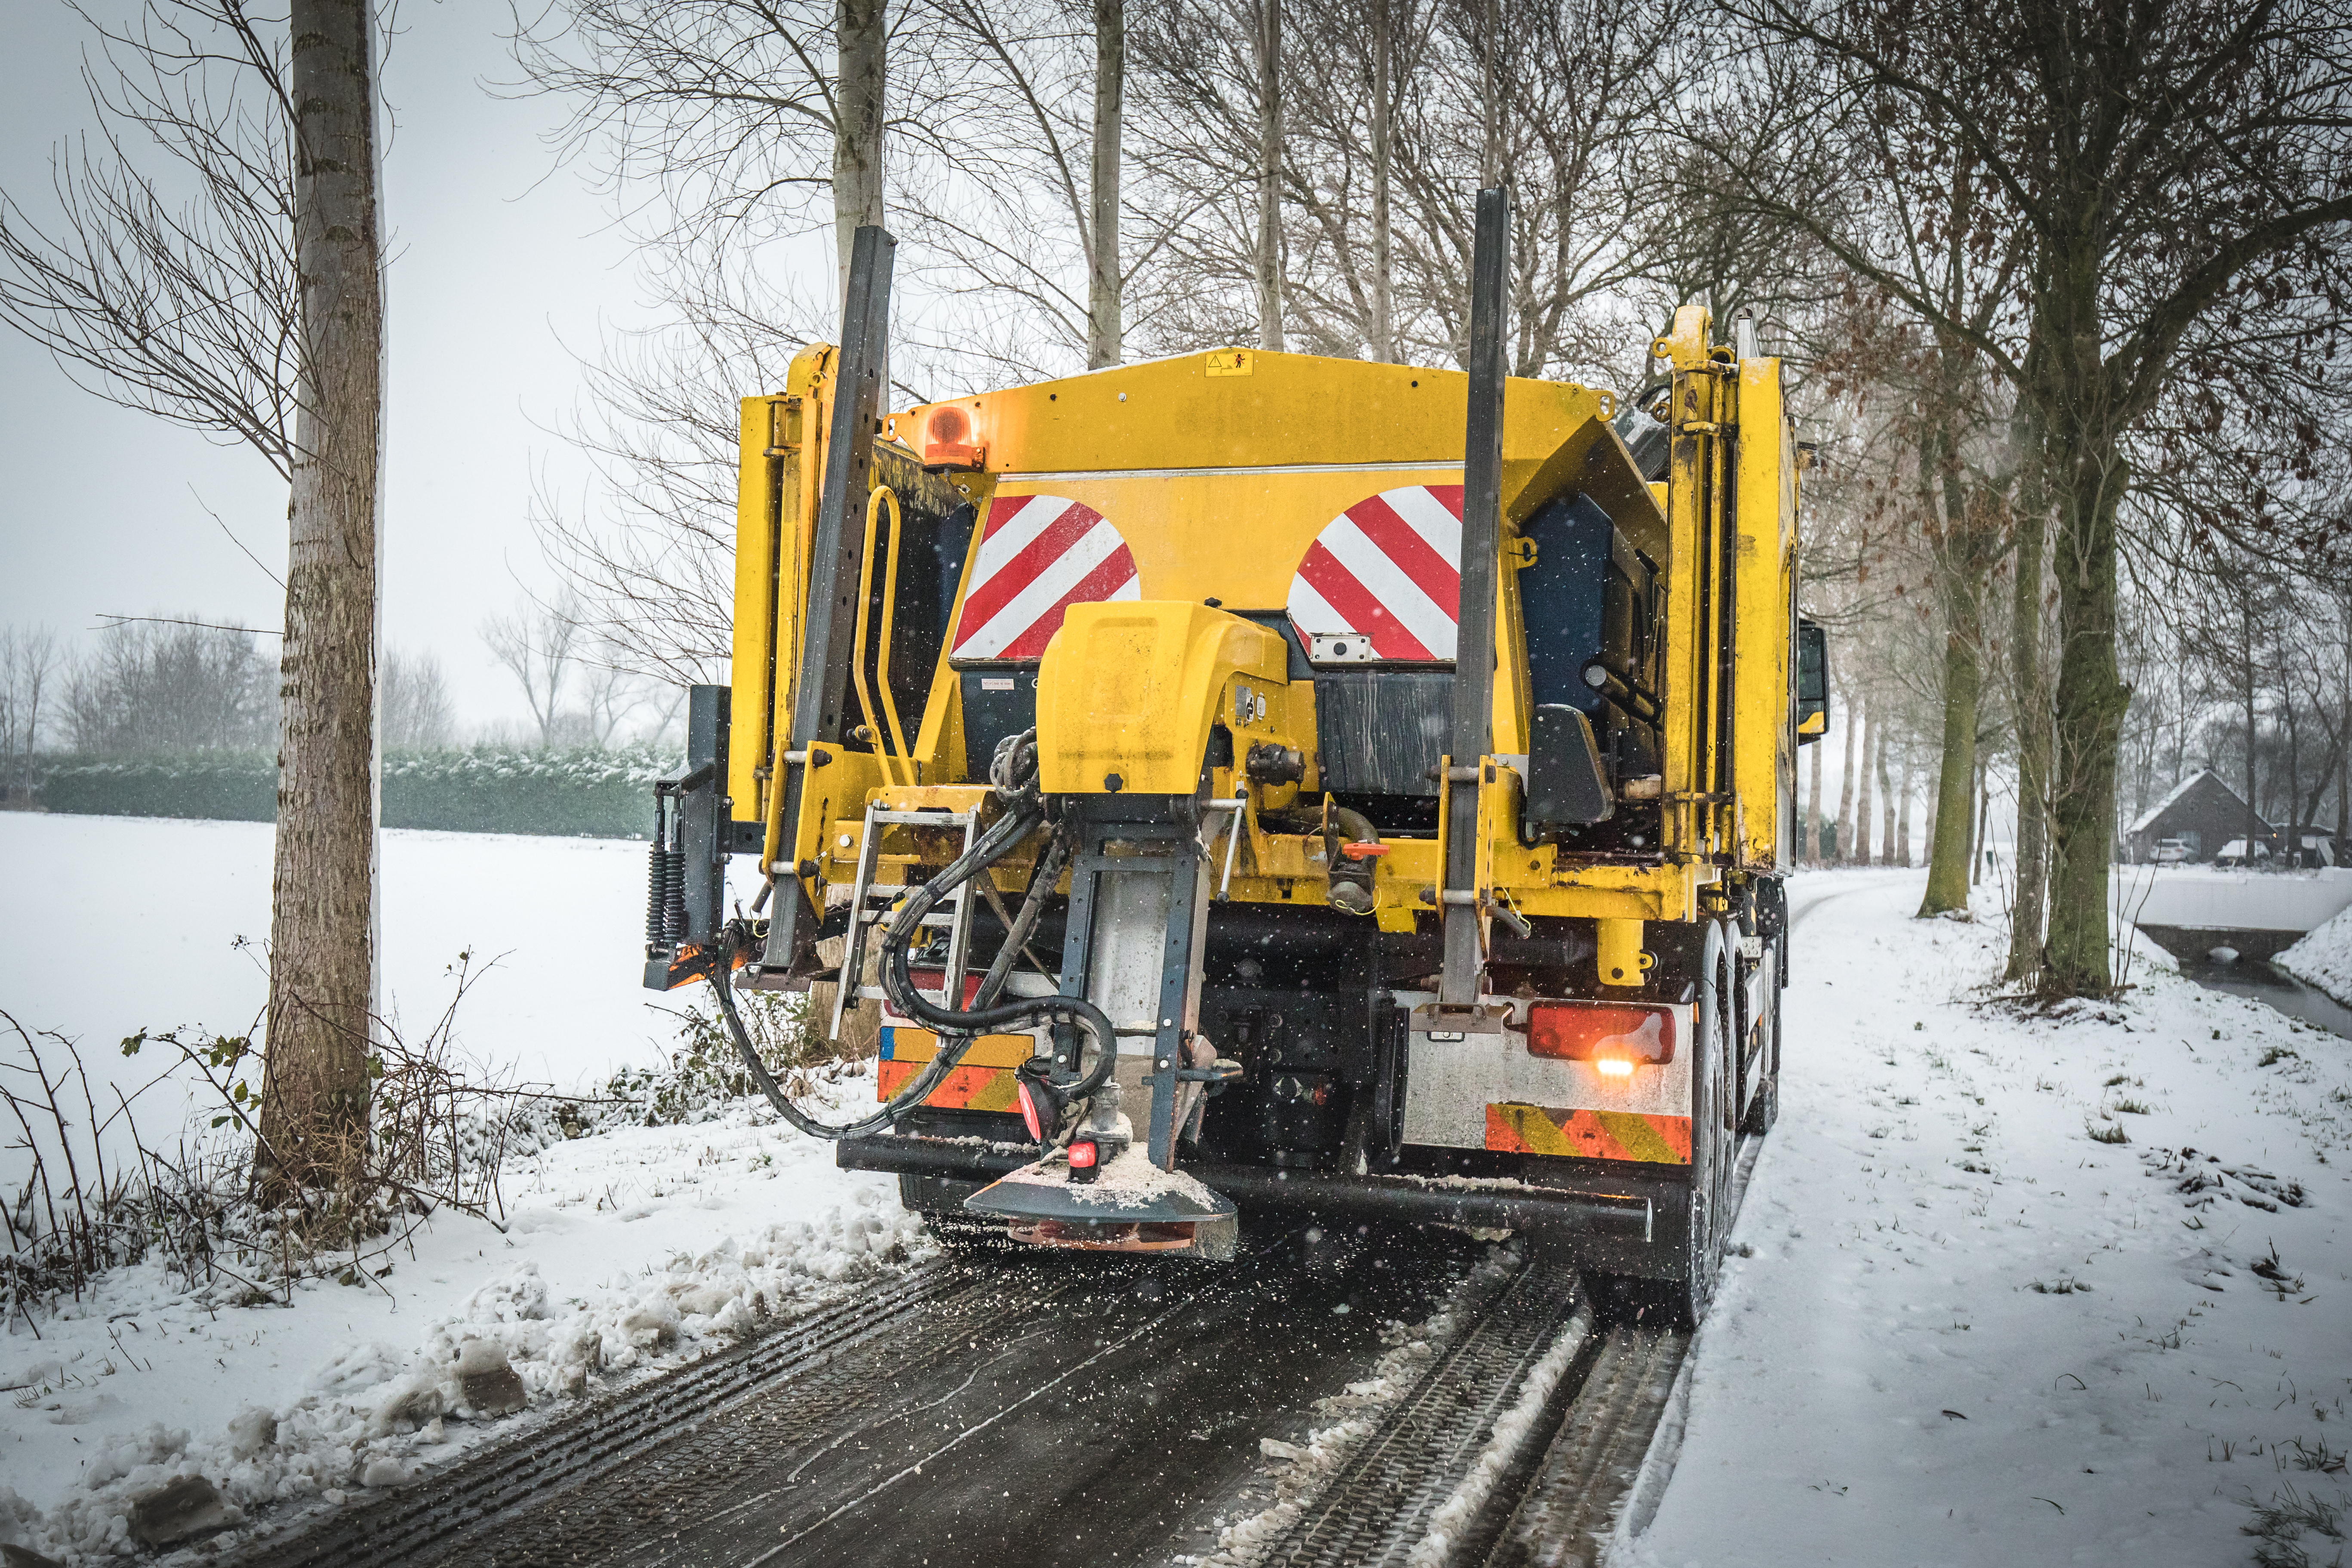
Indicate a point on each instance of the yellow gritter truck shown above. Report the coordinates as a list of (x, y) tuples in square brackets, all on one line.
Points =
[(1251, 780)]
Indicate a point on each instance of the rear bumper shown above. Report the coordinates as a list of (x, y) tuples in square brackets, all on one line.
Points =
[(1631, 1225)]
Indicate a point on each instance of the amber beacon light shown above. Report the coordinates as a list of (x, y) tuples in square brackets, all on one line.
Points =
[(949, 441)]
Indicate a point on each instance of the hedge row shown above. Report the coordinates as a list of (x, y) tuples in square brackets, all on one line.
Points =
[(580, 794)]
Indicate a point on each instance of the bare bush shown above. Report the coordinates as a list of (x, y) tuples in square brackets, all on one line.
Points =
[(438, 1137)]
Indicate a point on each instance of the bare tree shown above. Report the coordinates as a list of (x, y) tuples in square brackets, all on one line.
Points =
[(28, 667), (181, 307), (613, 695), (538, 644), (2172, 169), (253, 311), (155, 685), (1267, 37), (649, 554), (418, 715), (322, 978), (861, 40), (1106, 282), (1381, 335)]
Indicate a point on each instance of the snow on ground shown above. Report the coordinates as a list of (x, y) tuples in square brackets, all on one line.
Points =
[(624, 1250), (2324, 958), (1960, 1331), (634, 1247)]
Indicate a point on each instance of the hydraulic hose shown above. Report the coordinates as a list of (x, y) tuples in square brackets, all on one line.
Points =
[(1014, 774), (900, 986)]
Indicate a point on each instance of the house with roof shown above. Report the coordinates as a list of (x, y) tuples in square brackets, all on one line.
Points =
[(2202, 813)]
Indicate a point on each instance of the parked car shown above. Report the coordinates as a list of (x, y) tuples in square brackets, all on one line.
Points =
[(2233, 853), (2173, 852)]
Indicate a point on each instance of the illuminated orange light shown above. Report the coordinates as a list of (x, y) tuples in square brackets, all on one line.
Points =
[(1590, 1031), (949, 441), (1613, 1066)]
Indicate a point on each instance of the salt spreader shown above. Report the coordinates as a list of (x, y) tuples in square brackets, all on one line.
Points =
[(1249, 779)]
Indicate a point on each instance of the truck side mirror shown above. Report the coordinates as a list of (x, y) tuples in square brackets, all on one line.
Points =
[(1812, 681)]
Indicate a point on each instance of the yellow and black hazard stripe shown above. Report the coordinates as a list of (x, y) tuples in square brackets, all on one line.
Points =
[(1513, 1129)]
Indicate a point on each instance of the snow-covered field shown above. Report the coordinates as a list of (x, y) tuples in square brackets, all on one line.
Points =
[(1963, 1332), (1960, 1331), (112, 924)]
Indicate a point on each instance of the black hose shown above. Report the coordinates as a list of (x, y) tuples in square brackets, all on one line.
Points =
[(993, 845), (1015, 772), (899, 984)]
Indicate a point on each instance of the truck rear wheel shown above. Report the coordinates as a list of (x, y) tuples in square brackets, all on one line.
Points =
[(1765, 1109), (1715, 1089)]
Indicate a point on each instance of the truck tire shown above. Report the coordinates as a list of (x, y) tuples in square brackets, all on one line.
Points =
[(1764, 1109), (1714, 1088)]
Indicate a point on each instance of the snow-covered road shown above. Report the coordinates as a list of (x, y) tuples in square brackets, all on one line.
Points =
[(1962, 1332)]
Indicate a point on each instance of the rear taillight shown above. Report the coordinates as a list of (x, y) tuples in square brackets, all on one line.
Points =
[(1084, 1160), (1614, 1037), (1040, 1100)]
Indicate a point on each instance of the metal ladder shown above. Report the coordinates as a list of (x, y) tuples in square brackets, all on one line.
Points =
[(870, 905)]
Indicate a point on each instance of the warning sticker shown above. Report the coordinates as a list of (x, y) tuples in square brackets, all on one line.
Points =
[(1389, 569), (1038, 556)]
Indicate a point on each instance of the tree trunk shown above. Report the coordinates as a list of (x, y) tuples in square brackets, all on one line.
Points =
[(860, 34), (1269, 176), (2088, 725), (2344, 742), (1886, 803), (2031, 855), (1384, 332), (1104, 329), (1927, 825), (1844, 845), (1948, 852), (1490, 111), (322, 934), (2246, 692), (1873, 732), (1983, 825), (1902, 811), (1811, 848)]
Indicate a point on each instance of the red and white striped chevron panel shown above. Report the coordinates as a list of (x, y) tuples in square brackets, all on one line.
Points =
[(1038, 556), (1389, 569)]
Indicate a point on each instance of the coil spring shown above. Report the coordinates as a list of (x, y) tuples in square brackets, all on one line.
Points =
[(674, 893), (656, 898)]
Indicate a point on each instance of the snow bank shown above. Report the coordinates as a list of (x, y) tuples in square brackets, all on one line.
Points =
[(2324, 958), (626, 1251), (1960, 1330)]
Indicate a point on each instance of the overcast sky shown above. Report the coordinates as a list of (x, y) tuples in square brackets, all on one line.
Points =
[(503, 267)]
